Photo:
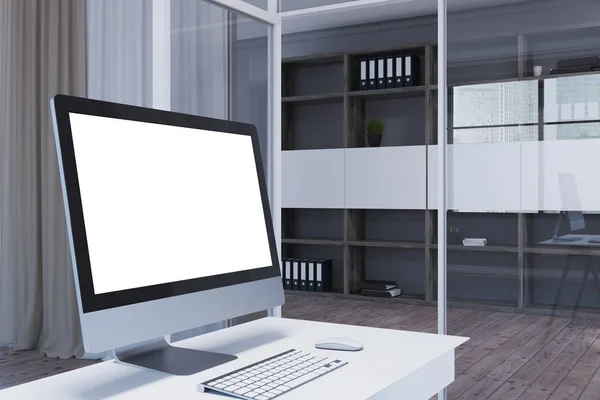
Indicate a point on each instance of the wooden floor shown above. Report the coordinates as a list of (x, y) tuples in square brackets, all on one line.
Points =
[(509, 356)]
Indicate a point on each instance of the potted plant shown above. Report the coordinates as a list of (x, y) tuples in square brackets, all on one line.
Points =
[(374, 132)]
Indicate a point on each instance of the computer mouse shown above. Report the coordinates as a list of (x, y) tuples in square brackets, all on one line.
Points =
[(342, 344)]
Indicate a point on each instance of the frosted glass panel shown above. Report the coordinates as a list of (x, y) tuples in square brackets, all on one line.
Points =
[(504, 103)]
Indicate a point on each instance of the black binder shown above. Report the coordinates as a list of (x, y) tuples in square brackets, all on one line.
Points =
[(296, 274), (381, 73), (323, 275), (411, 70), (389, 72), (364, 74), (283, 272), (399, 71), (303, 272), (372, 73), (287, 271), (310, 275)]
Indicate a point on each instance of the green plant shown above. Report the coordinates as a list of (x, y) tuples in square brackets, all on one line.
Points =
[(375, 126)]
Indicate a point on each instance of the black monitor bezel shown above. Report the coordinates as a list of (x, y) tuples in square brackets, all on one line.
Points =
[(90, 302)]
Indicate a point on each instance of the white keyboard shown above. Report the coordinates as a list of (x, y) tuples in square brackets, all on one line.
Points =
[(273, 376)]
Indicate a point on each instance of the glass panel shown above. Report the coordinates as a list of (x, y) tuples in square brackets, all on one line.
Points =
[(213, 71), (499, 104), (523, 139), (380, 230), (119, 51), (573, 98)]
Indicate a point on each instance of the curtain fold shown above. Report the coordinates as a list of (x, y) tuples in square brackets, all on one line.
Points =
[(44, 43)]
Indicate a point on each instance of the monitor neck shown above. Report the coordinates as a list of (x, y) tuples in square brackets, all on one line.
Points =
[(558, 222)]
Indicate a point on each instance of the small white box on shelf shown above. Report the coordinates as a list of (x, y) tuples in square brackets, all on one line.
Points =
[(474, 242)]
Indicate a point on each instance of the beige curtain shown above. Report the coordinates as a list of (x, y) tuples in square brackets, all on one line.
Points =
[(42, 53)]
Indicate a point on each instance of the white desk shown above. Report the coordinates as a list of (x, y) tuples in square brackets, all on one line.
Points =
[(582, 241), (393, 365)]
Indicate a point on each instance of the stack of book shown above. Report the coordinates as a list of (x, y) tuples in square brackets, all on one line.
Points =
[(374, 288), (474, 242)]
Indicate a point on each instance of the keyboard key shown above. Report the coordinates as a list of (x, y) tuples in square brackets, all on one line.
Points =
[(270, 394), (303, 379), (262, 397), (232, 388), (248, 381), (242, 391), (276, 391), (253, 386), (251, 394)]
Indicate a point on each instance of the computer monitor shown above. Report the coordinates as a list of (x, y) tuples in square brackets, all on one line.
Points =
[(169, 226), (570, 201)]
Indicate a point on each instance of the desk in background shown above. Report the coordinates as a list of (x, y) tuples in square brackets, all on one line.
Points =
[(575, 241)]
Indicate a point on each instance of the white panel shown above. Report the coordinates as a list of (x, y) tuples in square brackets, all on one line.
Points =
[(576, 161), (312, 178), (432, 173), (530, 184), (386, 178), (481, 177)]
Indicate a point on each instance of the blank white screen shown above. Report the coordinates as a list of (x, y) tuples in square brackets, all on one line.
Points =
[(164, 203)]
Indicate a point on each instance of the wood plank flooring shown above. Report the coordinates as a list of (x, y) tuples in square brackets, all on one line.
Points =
[(509, 356)]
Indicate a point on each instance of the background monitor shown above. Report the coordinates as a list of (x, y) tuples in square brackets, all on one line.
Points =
[(570, 201), (169, 225)]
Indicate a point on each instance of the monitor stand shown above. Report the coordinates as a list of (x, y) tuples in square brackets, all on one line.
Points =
[(158, 355), (555, 236)]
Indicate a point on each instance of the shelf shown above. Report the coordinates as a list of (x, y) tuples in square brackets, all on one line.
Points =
[(316, 242), (409, 299), (386, 244), (314, 98), (486, 248), (318, 59), (392, 92)]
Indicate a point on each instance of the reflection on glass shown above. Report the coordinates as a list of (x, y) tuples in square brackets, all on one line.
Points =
[(572, 131), (503, 134), (572, 98), (504, 103)]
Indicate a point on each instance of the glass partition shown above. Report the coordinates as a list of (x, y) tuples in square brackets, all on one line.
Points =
[(522, 226), (200, 59)]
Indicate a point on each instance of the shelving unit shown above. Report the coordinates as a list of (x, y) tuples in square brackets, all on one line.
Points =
[(344, 110), (356, 245)]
